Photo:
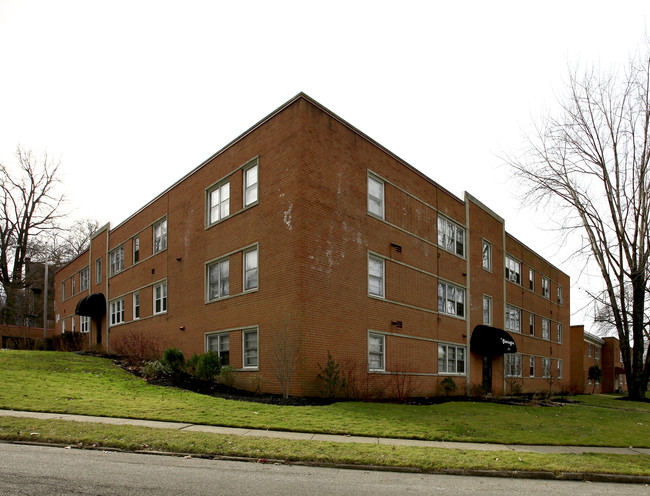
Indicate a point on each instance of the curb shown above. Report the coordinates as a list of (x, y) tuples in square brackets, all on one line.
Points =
[(508, 474)]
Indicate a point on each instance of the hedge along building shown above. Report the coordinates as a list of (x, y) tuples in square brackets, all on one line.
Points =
[(304, 236)]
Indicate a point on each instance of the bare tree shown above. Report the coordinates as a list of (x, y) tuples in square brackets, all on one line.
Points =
[(591, 161), (29, 206), (60, 246), (287, 348)]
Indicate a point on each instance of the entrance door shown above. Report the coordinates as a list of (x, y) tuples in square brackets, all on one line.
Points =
[(487, 373)]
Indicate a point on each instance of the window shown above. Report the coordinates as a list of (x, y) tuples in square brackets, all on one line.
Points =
[(63, 326), (532, 367), (117, 311), (160, 236), (73, 288), (512, 364), (487, 310), (375, 276), (136, 249), (451, 359), (531, 279), (597, 354), (117, 260), (546, 287), (160, 298), (250, 349), (376, 352), (98, 270), (513, 270), (559, 368), (136, 306), (220, 344), (250, 185), (375, 196), (451, 236), (451, 299), (84, 324), (487, 255), (513, 319), (219, 203), (84, 279), (590, 350), (546, 329), (532, 324), (218, 279), (560, 300), (559, 333), (250, 269), (546, 367), (72, 319), (63, 291)]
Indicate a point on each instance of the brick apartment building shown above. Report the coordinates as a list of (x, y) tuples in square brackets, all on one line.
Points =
[(305, 228)]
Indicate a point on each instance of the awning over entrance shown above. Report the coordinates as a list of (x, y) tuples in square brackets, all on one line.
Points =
[(619, 370), (93, 305), (491, 341)]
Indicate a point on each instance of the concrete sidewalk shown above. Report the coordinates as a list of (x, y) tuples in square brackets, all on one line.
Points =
[(305, 436)]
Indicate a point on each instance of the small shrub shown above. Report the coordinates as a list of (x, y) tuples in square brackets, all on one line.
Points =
[(208, 366), (332, 380), (477, 391), (192, 364), (448, 386), (154, 370), (136, 348), (174, 360), (227, 376), (257, 383)]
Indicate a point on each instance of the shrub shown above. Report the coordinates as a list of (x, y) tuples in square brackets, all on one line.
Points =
[(174, 360), (227, 376), (257, 383), (448, 386), (331, 377), (477, 391), (208, 366), (136, 348), (191, 365), (154, 370)]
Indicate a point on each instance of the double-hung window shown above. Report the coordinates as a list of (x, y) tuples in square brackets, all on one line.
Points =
[(84, 324), (487, 255), (98, 270), (136, 249), (546, 287), (560, 300), (375, 196), (218, 202), (160, 298), (136, 305), (376, 352), (546, 367), (375, 276), (487, 310), (250, 185), (532, 366), (451, 359), (451, 299), (117, 311), (160, 236), (73, 288), (559, 333), (117, 260), (250, 349), (532, 324), (513, 270), (546, 329), (513, 319), (218, 276), (531, 279), (597, 354), (559, 368), (250, 269), (84, 279), (512, 362), (63, 291), (220, 344), (451, 236)]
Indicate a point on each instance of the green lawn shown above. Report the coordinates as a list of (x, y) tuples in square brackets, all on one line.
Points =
[(69, 383)]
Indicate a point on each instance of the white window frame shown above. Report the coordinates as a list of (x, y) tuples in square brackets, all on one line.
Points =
[(116, 312), (218, 202), (251, 190), (251, 357), (546, 329), (531, 365), (63, 291), (513, 319), (531, 324), (451, 299), (376, 354), (251, 272), (136, 305), (98, 270), (221, 268), (512, 365), (513, 270), (546, 368), (376, 278), (376, 199), (486, 255), (73, 285), (449, 358), (215, 343), (117, 260), (62, 326), (590, 349), (160, 236), (160, 298), (597, 352), (73, 323), (84, 279), (136, 249), (531, 279), (559, 368), (84, 324), (559, 333), (560, 300), (546, 287), (487, 307), (451, 233)]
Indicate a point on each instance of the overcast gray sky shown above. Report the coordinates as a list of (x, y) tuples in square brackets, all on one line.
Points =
[(132, 95)]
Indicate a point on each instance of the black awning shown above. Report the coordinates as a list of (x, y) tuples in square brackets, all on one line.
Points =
[(491, 341), (93, 305)]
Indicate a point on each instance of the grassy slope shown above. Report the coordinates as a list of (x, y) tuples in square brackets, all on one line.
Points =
[(68, 383)]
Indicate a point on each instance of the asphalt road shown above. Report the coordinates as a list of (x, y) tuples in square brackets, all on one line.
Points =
[(38, 470)]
